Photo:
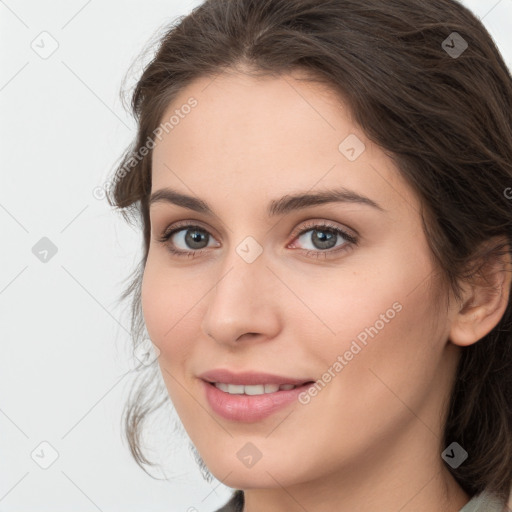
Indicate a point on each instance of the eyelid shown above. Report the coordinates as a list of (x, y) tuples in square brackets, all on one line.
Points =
[(182, 224), (349, 234)]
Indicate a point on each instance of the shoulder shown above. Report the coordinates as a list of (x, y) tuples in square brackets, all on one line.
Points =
[(236, 503), (483, 502)]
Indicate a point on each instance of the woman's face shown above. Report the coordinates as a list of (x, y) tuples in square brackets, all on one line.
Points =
[(269, 286)]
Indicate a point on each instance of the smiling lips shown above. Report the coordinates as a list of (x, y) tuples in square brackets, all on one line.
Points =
[(249, 396)]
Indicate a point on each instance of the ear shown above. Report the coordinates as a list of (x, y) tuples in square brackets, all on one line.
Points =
[(485, 299)]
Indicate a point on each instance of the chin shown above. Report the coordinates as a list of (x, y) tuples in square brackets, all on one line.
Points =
[(263, 474)]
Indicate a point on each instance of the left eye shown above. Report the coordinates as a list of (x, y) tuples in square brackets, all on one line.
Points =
[(324, 238)]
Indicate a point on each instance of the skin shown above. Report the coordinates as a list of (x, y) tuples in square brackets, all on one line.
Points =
[(372, 438)]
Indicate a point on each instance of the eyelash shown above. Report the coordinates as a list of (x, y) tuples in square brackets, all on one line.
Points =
[(351, 240)]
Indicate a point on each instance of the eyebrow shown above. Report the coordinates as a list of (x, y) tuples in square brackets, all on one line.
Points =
[(282, 206)]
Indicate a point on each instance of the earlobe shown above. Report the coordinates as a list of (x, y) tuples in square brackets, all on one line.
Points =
[(485, 300)]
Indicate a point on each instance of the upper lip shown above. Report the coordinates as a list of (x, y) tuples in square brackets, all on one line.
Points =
[(249, 378)]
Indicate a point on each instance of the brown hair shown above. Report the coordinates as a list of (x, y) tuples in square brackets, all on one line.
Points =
[(445, 119)]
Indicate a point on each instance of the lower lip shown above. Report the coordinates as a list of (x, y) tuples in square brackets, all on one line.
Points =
[(250, 408)]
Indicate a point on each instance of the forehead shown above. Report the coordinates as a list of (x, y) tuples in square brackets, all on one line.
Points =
[(266, 136)]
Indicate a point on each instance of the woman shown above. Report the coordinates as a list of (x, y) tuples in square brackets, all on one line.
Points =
[(325, 195)]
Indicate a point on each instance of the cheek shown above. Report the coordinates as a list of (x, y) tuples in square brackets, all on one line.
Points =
[(346, 306), (391, 346), (166, 310), (367, 289), (380, 319)]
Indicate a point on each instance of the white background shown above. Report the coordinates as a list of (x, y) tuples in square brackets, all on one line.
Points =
[(65, 348)]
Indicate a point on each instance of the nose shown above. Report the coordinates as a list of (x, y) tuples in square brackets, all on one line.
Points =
[(244, 302)]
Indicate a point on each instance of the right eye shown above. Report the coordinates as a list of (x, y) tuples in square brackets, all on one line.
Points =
[(190, 236)]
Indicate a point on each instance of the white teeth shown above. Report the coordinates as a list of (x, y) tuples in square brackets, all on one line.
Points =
[(236, 389), (254, 390), (257, 389)]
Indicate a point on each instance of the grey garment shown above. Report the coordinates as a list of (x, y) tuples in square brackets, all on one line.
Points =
[(482, 502)]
